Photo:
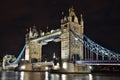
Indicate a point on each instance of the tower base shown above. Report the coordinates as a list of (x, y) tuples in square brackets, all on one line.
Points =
[(72, 68)]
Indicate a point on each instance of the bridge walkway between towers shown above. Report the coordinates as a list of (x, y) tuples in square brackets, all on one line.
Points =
[(98, 62)]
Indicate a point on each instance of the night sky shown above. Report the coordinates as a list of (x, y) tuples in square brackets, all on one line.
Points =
[(101, 18)]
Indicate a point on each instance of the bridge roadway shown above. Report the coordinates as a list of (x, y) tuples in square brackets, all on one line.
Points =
[(99, 62), (48, 37)]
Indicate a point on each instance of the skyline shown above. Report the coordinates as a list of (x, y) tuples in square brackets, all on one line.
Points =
[(101, 20)]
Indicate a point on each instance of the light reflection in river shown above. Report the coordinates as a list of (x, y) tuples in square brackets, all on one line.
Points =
[(90, 76), (22, 75), (11, 75)]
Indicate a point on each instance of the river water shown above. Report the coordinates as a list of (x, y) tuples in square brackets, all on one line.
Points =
[(11, 75)]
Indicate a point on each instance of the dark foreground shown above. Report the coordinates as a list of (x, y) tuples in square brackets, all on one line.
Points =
[(12, 75)]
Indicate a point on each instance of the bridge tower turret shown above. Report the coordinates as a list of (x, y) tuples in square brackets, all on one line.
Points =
[(69, 46), (33, 48)]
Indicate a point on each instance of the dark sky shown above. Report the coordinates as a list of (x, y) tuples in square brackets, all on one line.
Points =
[(102, 21)]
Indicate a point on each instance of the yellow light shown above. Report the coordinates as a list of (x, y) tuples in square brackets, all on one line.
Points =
[(65, 65)]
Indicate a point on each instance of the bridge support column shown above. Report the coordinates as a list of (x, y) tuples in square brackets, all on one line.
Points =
[(35, 52), (69, 46), (27, 54)]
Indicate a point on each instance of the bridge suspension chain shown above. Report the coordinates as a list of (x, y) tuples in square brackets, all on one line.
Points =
[(18, 58), (95, 48)]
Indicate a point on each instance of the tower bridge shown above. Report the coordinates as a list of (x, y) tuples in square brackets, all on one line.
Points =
[(75, 45), (34, 41)]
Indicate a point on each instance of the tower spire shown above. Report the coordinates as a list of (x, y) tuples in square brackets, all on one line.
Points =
[(81, 21), (54, 56), (30, 33), (71, 12)]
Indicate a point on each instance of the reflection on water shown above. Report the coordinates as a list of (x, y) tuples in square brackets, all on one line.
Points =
[(90, 77), (11, 75), (22, 75)]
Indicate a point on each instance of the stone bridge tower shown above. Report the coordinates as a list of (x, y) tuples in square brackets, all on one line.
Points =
[(33, 48), (69, 46)]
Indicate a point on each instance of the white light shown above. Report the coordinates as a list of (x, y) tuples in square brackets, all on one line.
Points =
[(106, 53), (46, 76), (90, 77), (65, 65), (90, 67), (44, 43), (55, 77), (64, 77), (22, 76), (46, 68), (56, 67), (48, 40), (23, 67), (27, 53), (76, 38), (57, 40)]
